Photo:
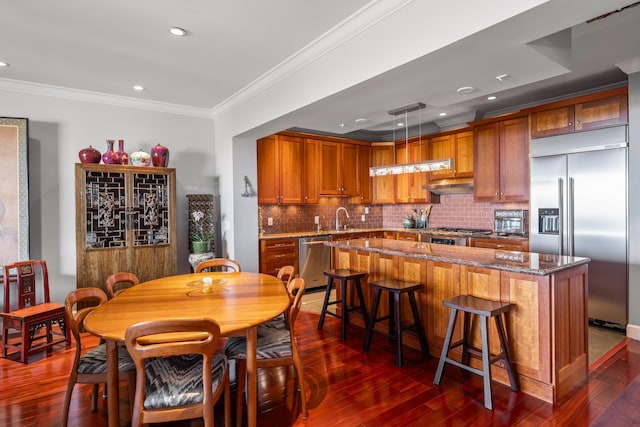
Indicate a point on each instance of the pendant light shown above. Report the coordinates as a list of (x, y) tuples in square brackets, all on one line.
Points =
[(422, 166)]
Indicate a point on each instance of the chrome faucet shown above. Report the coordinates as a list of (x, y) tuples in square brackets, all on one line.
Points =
[(337, 221)]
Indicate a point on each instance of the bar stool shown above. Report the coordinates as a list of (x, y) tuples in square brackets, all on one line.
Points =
[(343, 275), (395, 288), (484, 309)]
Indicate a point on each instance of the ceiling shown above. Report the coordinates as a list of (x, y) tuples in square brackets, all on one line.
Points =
[(107, 47)]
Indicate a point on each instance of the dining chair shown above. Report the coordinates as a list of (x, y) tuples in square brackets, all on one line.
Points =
[(218, 264), (91, 368), (275, 347), (286, 274), (30, 309), (181, 376), (118, 282)]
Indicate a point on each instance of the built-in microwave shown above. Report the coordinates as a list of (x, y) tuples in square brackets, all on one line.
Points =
[(511, 222)]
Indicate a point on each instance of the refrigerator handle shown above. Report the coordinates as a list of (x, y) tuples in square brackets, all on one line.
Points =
[(560, 214), (570, 217)]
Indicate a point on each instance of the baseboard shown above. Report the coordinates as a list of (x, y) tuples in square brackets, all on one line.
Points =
[(633, 331)]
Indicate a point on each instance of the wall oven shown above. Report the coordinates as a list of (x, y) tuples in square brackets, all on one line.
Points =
[(457, 241)]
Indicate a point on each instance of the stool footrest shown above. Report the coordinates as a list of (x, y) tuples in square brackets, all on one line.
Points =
[(465, 367)]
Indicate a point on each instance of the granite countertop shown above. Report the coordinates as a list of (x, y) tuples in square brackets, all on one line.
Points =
[(517, 262), (296, 234)]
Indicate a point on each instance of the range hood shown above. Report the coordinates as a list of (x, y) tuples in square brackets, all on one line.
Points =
[(450, 186)]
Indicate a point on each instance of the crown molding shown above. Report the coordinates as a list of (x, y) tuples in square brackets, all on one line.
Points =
[(101, 98), (365, 17)]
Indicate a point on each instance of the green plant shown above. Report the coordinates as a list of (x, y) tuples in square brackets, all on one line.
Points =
[(201, 225)]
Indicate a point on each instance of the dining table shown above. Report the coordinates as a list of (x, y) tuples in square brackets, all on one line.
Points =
[(238, 301)]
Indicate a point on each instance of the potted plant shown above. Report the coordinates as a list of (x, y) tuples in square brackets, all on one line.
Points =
[(201, 237)]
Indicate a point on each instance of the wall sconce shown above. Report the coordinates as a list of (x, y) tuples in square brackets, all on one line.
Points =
[(247, 186)]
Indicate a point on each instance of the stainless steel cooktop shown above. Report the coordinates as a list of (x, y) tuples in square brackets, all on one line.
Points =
[(459, 232)]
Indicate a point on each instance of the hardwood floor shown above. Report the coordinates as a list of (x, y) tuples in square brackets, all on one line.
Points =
[(345, 387)]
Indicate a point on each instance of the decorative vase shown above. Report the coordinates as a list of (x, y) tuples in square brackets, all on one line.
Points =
[(140, 158), (408, 223), (200, 247), (89, 155), (160, 156), (122, 155), (110, 157)]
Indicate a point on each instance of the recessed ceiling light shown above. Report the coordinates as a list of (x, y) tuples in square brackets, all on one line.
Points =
[(341, 125), (3, 64), (177, 31), (400, 124), (443, 114), (465, 89), (138, 87), (492, 97), (361, 121)]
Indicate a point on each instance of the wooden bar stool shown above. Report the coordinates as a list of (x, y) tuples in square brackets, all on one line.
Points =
[(343, 275), (484, 309), (395, 288)]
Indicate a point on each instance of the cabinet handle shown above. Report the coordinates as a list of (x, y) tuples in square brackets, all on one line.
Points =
[(570, 123), (280, 255), (499, 246), (577, 122)]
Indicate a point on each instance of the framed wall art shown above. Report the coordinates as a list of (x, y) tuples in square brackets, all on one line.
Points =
[(14, 190)]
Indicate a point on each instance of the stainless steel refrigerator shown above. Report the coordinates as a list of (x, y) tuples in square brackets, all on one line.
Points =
[(579, 208)]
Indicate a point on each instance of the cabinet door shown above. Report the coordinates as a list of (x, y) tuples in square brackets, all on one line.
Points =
[(402, 184), (486, 163), (330, 175), (441, 147), (600, 113), (126, 222), (349, 170), (463, 160), (291, 150), (311, 172), (268, 170), (514, 160), (364, 180), (383, 185), (442, 284), (419, 152), (552, 122)]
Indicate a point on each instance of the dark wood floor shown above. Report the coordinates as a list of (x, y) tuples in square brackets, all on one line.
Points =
[(345, 387)]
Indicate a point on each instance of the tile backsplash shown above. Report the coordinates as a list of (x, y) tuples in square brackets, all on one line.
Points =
[(454, 210)]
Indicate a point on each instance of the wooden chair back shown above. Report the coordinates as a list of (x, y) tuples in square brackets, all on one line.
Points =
[(32, 279), (286, 274), (181, 337), (120, 281), (218, 264)]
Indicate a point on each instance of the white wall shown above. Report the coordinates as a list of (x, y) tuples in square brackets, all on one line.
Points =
[(59, 128)]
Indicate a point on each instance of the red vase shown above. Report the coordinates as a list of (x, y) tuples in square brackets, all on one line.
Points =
[(122, 155), (110, 157), (89, 155), (160, 156)]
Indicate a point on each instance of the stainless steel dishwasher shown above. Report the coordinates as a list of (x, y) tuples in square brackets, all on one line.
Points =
[(314, 258)]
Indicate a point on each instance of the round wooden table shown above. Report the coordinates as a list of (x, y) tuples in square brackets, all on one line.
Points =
[(240, 303)]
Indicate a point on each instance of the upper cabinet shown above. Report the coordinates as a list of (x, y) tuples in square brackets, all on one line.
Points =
[(459, 147), (365, 185), (311, 172), (409, 186), (501, 152), (339, 169), (585, 113), (382, 153), (280, 175)]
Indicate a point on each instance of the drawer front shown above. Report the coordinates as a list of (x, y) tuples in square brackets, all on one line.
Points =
[(278, 244), (273, 267), (282, 255)]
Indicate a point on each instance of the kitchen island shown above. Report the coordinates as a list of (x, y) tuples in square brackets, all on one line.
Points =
[(547, 327)]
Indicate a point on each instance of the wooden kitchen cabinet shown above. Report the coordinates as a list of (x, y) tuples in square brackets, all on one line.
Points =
[(593, 111), (409, 186), (125, 221), (339, 168), (311, 173), (280, 177), (501, 161), (458, 146), (276, 253), (383, 186), (365, 184), (503, 244)]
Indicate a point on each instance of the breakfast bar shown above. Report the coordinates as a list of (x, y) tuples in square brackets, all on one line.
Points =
[(547, 328)]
